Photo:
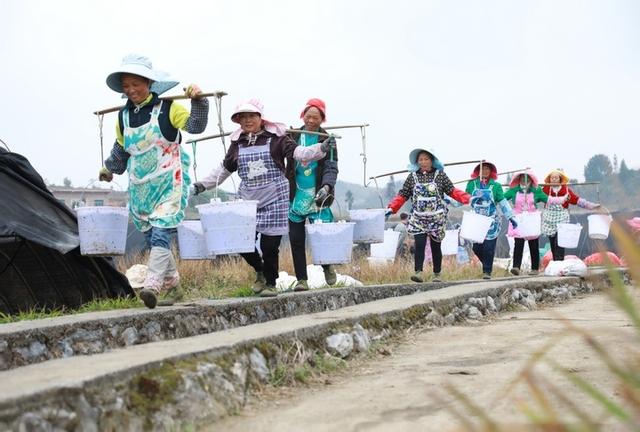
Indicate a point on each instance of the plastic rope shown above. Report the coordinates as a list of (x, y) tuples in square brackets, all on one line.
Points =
[(195, 161), (100, 124)]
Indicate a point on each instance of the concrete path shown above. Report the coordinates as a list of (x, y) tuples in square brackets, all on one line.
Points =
[(395, 393)]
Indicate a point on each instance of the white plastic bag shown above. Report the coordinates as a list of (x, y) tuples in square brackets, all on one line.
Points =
[(568, 267)]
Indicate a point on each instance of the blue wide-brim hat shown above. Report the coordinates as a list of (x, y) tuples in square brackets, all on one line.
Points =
[(135, 64), (413, 160)]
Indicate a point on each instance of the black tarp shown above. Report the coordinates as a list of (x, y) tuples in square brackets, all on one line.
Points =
[(40, 262)]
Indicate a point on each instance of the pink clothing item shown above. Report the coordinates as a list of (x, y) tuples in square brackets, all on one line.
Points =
[(559, 200), (171, 281), (278, 129), (153, 282), (587, 204), (634, 224), (255, 106), (476, 171), (516, 179), (317, 103), (524, 202)]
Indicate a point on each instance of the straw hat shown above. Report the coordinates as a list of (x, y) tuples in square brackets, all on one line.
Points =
[(564, 178), (413, 160), (136, 64)]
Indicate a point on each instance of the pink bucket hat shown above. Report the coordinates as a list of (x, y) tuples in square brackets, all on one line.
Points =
[(315, 103), (516, 179), (255, 106)]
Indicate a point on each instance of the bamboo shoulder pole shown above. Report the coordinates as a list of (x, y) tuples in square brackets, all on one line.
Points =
[(346, 126), (404, 171), (499, 174), (176, 97), (208, 137)]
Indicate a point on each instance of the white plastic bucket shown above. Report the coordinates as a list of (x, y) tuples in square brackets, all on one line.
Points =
[(529, 224), (387, 249), (569, 235), (599, 226), (449, 244), (331, 243), (191, 242), (229, 227), (369, 226), (103, 230), (475, 226)]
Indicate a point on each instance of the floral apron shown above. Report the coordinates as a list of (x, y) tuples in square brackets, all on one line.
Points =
[(158, 174), (483, 203), (263, 181), (429, 211), (304, 204)]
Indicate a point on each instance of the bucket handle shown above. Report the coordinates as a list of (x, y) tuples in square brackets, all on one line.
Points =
[(375, 181), (92, 182), (335, 200)]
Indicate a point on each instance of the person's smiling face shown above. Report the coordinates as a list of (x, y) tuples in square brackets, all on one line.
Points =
[(135, 87)]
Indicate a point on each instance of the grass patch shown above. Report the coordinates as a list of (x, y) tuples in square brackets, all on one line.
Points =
[(31, 315), (109, 304), (230, 277)]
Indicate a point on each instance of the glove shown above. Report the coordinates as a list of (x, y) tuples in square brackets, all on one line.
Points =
[(514, 224), (193, 91), (388, 212), (328, 144), (105, 175), (321, 195), (197, 188), (396, 203), (461, 196)]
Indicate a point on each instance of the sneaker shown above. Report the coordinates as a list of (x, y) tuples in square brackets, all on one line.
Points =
[(301, 285), (515, 271), (260, 283), (417, 277), (329, 275), (486, 276), (149, 297), (269, 291), (436, 278), (534, 273)]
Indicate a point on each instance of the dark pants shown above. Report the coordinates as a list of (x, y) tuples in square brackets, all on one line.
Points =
[(297, 238), (485, 252), (436, 252), (518, 248), (268, 262), (556, 251)]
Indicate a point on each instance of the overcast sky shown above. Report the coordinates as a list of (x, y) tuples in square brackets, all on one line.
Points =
[(543, 84)]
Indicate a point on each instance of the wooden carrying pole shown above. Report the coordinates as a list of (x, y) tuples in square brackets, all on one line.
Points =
[(500, 173), (404, 171), (346, 126), (176, 97), (208, 137)]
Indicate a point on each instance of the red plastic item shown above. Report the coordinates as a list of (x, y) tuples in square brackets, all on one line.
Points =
[(599, 258)]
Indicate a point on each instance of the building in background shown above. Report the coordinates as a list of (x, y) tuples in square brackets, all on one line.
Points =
[(78, 197)]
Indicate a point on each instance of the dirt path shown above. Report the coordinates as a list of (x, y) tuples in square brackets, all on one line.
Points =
[(394, 393)]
